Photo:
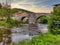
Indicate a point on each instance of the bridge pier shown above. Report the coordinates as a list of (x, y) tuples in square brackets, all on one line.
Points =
[(32, 22)]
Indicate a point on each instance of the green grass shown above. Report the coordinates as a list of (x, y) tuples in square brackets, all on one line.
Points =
[(48, 39), (10, 23)]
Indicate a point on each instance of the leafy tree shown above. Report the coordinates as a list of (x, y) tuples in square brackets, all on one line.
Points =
[(3, 13), (54, 21)]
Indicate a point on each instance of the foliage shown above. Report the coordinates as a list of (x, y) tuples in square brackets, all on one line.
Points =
[(3, 12), (18, 9), (4, 24), (1, 33), (48, 39), (7, 14), (42, 19), (13, 22), (4, 31), (54, 21)]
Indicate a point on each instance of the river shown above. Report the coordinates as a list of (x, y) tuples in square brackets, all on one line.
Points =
[(22, 33)]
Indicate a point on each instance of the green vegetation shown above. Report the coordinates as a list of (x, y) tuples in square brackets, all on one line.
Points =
[(18, 9), (11, 23), (6, 14), (4, 24), (48, 39), (15, 22), (54, 21), (54, 28), (42, 20), (42, 39)]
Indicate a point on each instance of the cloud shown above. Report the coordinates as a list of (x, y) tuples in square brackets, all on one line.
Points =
[(34, 5), (31, 5), (2, 1), (33, 8)]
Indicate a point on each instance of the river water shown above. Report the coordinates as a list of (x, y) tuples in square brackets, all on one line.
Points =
[(22, 33)]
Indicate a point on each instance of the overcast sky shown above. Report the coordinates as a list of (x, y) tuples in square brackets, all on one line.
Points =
[(34, 5)]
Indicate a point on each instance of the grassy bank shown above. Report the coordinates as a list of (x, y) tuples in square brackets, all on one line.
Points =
[(11, 23), (48, 39)]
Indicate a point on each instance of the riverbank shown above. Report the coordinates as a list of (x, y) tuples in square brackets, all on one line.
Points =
[(43, 39)]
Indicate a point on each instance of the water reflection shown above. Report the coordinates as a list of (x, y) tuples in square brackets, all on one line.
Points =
[(43, 28), (20, 37), (27, 34)]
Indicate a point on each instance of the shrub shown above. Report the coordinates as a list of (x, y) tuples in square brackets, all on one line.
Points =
[(54, 21), (13, 22), (4, 24), (48, 39)]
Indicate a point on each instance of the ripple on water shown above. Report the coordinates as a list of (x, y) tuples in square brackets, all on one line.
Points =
[(20, 37)]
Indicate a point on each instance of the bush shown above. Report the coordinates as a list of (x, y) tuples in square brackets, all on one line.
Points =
[(48, 39), (13, 22), (54, 25), (4, 24), (54, 21)]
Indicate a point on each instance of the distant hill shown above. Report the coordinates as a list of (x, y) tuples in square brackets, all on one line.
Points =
[(23, 10)]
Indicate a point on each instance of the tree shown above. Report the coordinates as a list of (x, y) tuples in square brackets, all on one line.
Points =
[(3, 13), (0, 6), (54, 21)]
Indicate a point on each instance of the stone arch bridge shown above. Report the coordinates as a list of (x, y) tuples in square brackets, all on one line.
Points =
[(30, 16), (34, 16)]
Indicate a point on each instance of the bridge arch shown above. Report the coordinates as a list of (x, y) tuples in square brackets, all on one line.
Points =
[(24, 19), (42, 19)]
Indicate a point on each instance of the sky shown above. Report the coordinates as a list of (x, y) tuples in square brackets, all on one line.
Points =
[(38, 6)]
